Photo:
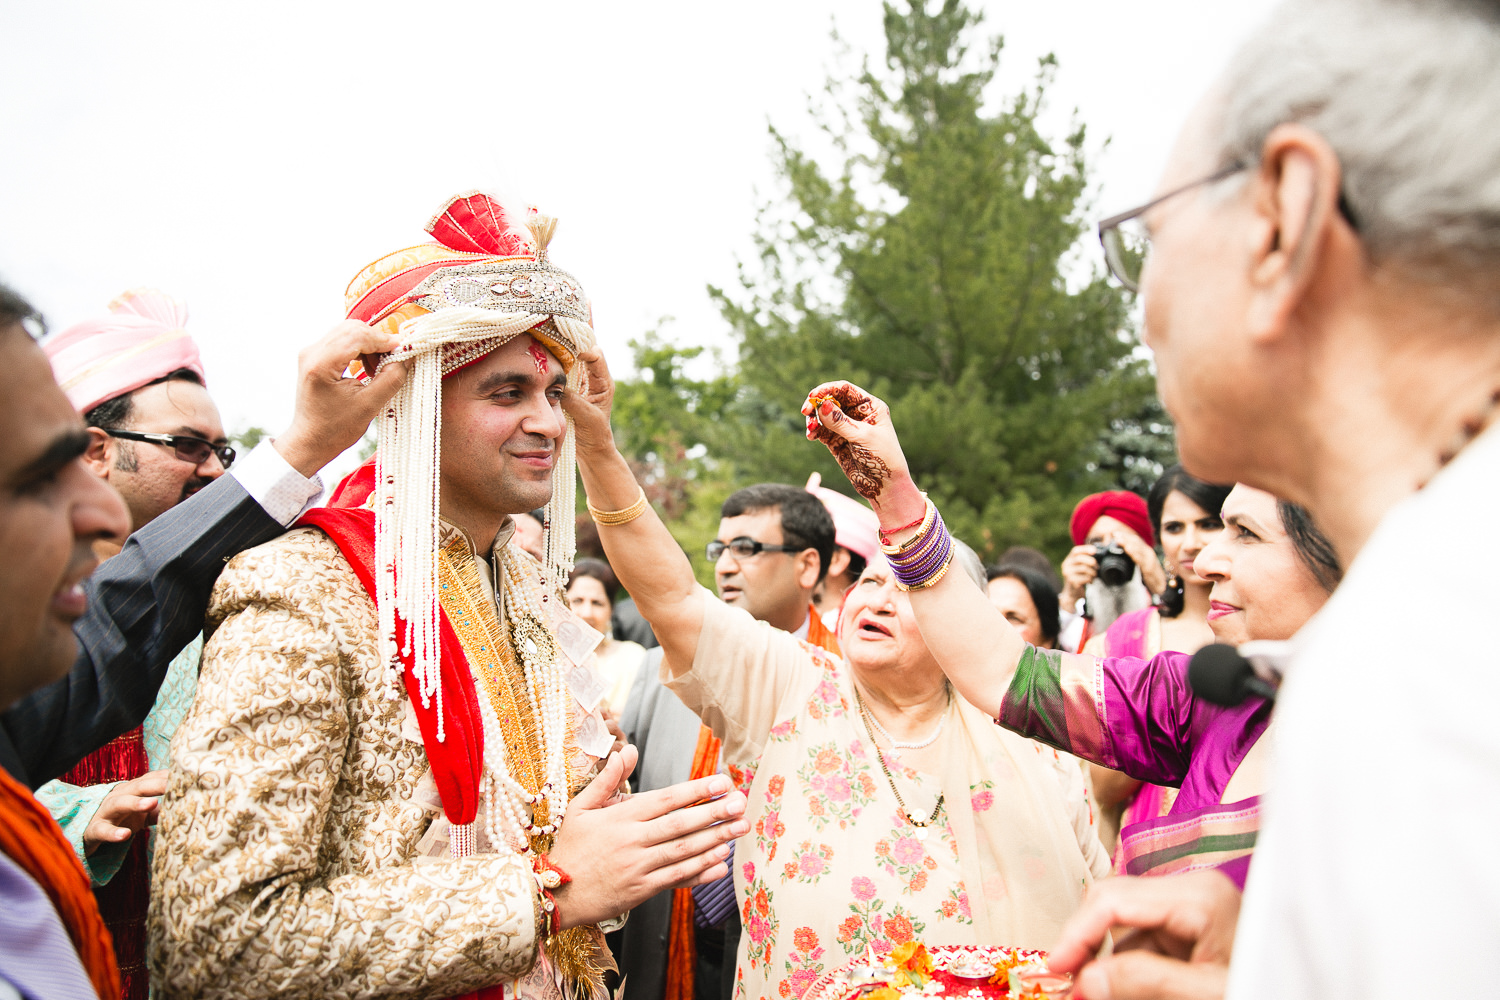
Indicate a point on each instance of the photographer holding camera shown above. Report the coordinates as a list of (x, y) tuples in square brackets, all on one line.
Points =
[(1112, 538)]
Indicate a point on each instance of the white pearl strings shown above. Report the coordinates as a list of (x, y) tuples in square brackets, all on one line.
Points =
[(406, 505), (407, 486), (510, 812)]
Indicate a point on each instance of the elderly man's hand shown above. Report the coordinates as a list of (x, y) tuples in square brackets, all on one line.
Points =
[(1144, 556), (1175, 934), (1078, 571), (334, 411), (622, 851)]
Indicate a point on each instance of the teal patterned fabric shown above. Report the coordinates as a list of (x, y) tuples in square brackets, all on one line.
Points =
[(172, 703), (73, 806)]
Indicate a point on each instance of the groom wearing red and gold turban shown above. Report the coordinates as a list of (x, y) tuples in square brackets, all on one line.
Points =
[(395, 780)]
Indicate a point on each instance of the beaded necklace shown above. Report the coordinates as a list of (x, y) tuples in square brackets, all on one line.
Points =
[(547, 692), (897, 745), (870, 727)]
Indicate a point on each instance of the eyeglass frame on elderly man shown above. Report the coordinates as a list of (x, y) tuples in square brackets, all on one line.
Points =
[(176, 442), (744, 542), (1110, 227), (1112, 239)]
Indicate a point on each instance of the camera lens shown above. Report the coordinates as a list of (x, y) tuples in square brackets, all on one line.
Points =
[(1115, 567)]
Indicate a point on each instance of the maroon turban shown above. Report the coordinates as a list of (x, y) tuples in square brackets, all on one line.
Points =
[(1122, 505)]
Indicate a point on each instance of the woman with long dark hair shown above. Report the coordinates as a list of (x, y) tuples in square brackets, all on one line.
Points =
[(1185, 512)]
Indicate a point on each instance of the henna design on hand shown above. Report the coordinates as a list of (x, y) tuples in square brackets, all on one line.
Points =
[(867, 472)]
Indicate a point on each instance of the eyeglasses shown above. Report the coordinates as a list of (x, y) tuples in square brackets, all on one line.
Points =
[(743, 547), (1126, 240), (193, 450)]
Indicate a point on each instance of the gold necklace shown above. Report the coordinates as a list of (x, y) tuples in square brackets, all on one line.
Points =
[(920, 824)]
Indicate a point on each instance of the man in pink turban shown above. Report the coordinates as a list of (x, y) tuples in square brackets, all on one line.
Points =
[(155, 436), (136, 377), (1113, 518)]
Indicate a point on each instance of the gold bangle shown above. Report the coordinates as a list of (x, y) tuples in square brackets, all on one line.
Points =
[(942, 571), (922, 529), (625, 516)]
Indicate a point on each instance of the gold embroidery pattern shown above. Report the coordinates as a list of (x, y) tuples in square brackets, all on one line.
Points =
[(578, 952), (291, 820), (479, 631)]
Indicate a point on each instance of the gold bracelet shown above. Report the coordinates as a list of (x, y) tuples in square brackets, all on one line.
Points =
[(625, 516), (934, 578), (922, 529)]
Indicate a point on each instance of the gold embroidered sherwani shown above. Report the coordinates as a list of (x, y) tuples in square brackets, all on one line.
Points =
[(285, 859)]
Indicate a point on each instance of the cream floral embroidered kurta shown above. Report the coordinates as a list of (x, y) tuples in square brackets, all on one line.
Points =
[(284, 862), (831, 864)]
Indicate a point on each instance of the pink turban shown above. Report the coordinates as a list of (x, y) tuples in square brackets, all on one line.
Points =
[(141, 340), (855, 526), (1123, 506)]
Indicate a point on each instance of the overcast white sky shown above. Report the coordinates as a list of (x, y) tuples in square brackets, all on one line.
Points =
[(250, 158)]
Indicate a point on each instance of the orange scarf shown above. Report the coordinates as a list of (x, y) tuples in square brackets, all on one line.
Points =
[(32, 839), (819, 635), (682, 946)]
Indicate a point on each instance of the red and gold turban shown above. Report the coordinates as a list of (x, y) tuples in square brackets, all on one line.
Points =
[(483, 281), (482, 256)]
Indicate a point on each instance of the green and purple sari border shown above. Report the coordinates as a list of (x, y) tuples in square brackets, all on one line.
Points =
[(1058, 698), (1202, 839)]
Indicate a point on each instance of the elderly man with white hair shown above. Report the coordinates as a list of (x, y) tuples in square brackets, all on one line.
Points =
[(1322, 291)]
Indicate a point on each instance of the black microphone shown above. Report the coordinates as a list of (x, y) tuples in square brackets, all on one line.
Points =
[(1218, 673)]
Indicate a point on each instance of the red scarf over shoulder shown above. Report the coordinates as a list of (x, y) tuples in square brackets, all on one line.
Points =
[(458, 759)]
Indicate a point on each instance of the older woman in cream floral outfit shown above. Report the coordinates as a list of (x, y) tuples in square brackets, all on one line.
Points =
[(883, 807)]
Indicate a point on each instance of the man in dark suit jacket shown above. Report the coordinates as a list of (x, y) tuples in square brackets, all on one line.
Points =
[(148, 602), (119, 631), (665, 733)]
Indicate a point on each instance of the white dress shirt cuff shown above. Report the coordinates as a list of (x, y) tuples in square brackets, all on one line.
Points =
[(285, 493)]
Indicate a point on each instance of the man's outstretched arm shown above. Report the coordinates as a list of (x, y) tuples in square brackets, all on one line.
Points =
[(148, 602)]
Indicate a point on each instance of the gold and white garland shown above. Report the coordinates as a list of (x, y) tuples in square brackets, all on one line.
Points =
[(510, 810)]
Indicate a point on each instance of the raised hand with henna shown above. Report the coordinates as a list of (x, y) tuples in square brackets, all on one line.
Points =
[(857, 429)]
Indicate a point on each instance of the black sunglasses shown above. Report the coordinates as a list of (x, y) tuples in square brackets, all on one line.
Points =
[(193, 450), (743, 547)]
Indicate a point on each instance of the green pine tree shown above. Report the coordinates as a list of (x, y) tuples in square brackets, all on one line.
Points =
[(932, 259)]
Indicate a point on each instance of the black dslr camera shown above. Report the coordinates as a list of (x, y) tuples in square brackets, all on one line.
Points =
[(1115, 566)]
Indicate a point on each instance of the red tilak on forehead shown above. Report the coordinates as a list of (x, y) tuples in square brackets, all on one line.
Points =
[(539, 355)]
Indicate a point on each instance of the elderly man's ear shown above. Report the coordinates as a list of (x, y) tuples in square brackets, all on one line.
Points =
[(1298, 240)]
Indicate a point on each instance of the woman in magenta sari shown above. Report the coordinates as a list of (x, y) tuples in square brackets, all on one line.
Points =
[(1185, 514), (1271, 572)]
